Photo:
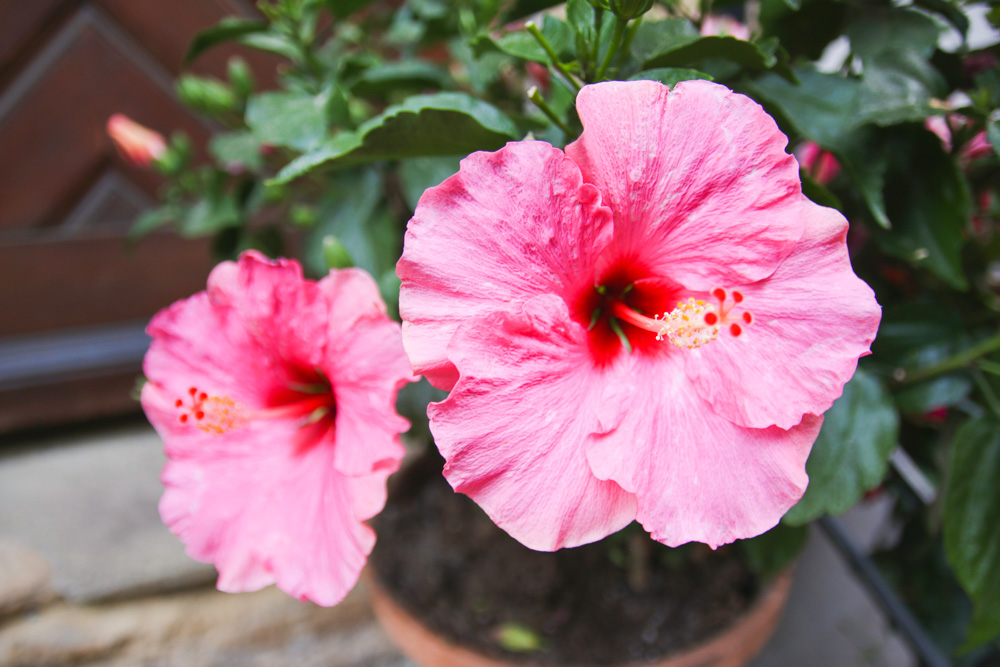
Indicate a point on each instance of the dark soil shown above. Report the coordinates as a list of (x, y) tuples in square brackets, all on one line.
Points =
[(444, 561)]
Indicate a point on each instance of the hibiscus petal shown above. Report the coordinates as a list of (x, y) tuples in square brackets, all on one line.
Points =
[(696, 476), (510, 225), (812, 319), (514, 426), (698, 179), (263, 513)]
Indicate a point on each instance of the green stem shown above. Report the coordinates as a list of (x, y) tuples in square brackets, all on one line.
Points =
[(550, 52), (539, 101), (616, 43), (628, 39), (957, 362), (988, 393)]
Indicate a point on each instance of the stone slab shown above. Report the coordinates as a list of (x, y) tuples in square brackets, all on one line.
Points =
[(88, 504)]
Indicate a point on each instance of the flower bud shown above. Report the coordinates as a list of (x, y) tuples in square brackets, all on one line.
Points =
[(630, 9), (137, 144)]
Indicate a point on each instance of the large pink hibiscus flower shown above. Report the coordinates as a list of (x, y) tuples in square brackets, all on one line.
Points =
[(646, 326), (275, 397)]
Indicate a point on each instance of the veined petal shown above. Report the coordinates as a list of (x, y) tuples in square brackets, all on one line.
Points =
[(812, 320), (696, 476), (509, 226), (514, 426), (263, 513), (698, 179)]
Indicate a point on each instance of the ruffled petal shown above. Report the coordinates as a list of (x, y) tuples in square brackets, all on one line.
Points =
[(367, 366), (696, 476), (514, 426), (812, 320), (263, 512), (510, 225), (698, 179)]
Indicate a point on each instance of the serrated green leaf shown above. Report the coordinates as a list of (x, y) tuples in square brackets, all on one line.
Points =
[(293, 119), (228, 29), (423, 126), (851, 454), (971, 517), (928, 202), (671, 76)]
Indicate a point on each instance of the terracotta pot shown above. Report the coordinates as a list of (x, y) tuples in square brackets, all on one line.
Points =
[(733, 647)]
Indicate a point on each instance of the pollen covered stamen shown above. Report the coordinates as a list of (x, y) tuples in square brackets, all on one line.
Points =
[(690, 325), (211, 414)]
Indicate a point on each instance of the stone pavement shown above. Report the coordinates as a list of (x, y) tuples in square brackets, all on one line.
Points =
[(89, 575)]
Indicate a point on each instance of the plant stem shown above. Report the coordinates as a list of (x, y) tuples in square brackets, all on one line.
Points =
[(550, 52), (628, 39), (988, 393), (616, 43), (539, 101), (957, 362)]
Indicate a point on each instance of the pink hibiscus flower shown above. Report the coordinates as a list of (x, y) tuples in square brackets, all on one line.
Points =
[(139, 145), (275, 398), (646, 326)]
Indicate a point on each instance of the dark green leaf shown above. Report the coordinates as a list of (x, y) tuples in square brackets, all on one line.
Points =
[(993, 134), (210, 215), (775, 550), (671, 75), (670, 44), (418, 174), (823, 107), (862, 155), (236, 150), (402, 75), (898, 86), (971, 517), (423, 126), (293, 119), (227, 29), (928, 202), (875, 28), (851, 454), (805, 32), (950, 10), (931, 395)]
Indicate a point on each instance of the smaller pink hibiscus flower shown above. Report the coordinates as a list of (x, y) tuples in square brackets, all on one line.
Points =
[(275, 398)]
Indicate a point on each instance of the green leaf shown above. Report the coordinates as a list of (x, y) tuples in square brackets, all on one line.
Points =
[(928, 202), (823, 107), (898, 86), (423, 126), (924, 397), (807, 31), (229, 28), (851, 454), (993, 134), (950, 10), (236, 149), (671, 76), (210, 215), (775, 550), (675, 43), (418, 174), (521, 44), (351, 213), (401, 75), (971, 517), (292, 119), (335, 255), (273, 42), (875, 28), (818, 193)]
